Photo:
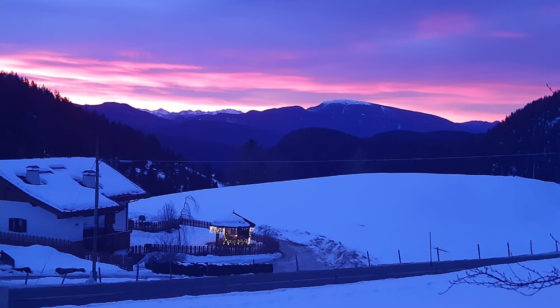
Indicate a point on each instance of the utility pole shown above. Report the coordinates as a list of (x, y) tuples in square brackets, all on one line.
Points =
[(95, 214)]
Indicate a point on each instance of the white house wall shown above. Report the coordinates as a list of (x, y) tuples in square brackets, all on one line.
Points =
[(44, 223), (40, 222)]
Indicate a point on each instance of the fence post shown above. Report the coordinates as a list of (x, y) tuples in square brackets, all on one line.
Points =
[(531, 246), (137, 271), (368, 262), (478, 246), (399, 251), (509, 250), (99, 273), (430, 248)]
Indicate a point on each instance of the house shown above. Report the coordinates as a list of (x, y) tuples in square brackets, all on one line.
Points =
[(232, 230), (54, 198)]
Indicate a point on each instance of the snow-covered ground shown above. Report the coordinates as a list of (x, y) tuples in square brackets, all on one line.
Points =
[(43, 260), (421, 291), (189, 236), (382, 213)]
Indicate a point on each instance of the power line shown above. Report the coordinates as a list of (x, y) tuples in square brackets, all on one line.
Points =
[(344, 160)]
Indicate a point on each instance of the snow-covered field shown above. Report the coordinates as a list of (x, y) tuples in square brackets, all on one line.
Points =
[(382, 213), (421, 291)]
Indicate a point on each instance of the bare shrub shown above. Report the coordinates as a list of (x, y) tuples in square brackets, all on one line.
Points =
[(527, 282)]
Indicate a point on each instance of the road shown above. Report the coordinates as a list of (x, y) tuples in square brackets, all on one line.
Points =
[(84, 294)]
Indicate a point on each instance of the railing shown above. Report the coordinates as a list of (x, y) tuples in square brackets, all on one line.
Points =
[(199, 250), (158, 226), (18, 239), (107, 240), (111, 242)]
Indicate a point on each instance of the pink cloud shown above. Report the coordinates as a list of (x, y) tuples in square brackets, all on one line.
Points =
[(177, 87), (446, 25)]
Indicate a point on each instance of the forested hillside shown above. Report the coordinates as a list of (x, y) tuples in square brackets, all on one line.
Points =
[(36, 122)]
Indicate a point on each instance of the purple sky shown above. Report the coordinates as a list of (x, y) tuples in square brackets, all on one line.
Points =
[(461, 60)]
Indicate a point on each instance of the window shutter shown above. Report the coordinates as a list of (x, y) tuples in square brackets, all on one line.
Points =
[(11, 225)]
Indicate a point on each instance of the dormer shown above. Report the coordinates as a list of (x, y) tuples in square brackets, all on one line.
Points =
[(88, 178), (32, 175)]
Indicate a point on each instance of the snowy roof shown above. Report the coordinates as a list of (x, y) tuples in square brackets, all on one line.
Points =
[(61, 182), (231, 220)]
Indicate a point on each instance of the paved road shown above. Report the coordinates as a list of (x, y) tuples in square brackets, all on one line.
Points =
[(306, 258), (84, 294)]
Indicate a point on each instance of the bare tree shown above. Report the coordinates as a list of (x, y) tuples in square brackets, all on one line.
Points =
[(186, 211), (189, 206), (168, 215), (529, 282)]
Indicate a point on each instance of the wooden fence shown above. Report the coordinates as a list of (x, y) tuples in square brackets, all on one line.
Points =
[(75, 248), (158, 226), (217, 250)]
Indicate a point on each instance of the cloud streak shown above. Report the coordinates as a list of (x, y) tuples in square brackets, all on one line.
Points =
[(177, 87)]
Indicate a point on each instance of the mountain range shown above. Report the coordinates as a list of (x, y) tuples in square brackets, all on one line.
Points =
[(526, 143), (337, 137), (203, 135)]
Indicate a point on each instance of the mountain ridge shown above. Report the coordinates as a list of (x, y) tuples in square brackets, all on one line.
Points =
[(210, 135)]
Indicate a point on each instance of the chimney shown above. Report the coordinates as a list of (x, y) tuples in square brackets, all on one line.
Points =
[(88, 178), (32, 175)]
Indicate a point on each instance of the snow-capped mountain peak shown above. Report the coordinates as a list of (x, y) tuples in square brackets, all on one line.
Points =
[(162, 113), (339, 102)]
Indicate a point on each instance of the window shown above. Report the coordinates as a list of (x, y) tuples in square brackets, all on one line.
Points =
[(18, 225)]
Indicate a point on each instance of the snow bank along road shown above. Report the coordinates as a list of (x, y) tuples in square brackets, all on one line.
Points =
[(84, 294)]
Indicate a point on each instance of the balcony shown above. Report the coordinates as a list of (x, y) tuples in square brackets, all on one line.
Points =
[(107, 240)]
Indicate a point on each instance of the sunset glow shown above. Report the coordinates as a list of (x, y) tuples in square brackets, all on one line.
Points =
[(462, 62)]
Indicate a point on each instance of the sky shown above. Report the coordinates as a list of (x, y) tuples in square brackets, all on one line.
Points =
[(463, 60)]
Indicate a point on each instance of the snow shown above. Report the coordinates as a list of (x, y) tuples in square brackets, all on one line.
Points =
[(62, 189), (344, 102), (43, 260), (189, 235), (162, 113), (422, 291), (554, 122), (230, 220), (383, 213)]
